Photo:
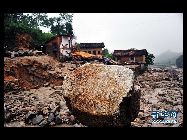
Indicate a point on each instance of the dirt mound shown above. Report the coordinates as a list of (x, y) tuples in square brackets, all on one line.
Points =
[(31, 72), (23, 42), (97, 90)]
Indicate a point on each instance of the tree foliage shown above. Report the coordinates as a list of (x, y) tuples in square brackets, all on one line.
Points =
[(149, 59), (20, 23), (179, 61), (61, 24), (106, 53)]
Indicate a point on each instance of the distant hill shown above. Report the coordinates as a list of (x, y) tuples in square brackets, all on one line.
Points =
[(179, 61), (167, 58)]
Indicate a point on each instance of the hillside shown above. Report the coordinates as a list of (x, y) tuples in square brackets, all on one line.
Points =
[(167, 57)]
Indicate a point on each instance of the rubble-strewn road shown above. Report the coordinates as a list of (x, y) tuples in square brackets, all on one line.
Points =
[(161, 90)]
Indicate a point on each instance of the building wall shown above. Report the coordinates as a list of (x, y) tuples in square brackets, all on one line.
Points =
[(129, 59), (62, 44), (140, 58), (91, 50), (65, 42), (56, 40), (50, 47), (50, 52)]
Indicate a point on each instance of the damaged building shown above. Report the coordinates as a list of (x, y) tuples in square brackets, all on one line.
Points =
[(131, 56), (59, 45)]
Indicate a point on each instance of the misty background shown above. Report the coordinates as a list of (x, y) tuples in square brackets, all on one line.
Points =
[(159, 33)]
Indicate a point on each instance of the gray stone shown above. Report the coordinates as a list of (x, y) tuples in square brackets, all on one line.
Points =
[(37, 119), (58, 119), (8, 116), (43, 123), (52, 106), (51, 117), (77, 125), (30, 115), (62, 104)]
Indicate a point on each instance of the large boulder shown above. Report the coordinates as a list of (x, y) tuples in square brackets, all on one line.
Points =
[(99, 95)]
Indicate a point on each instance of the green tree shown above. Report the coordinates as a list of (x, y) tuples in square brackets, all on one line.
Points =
[(19, 23), (106, 53), (39, 19), (69, 29), (149, 59), (179, 61), (61, 24), (77, 46)]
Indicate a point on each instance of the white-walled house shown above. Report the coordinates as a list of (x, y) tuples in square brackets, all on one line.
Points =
[(59, 46)]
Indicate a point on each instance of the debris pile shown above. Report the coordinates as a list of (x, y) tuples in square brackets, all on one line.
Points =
[(96, 93), (37, 107), (161, 90), (31, 72), (23, 42), (41, 91), (79, 55), (21, 53)]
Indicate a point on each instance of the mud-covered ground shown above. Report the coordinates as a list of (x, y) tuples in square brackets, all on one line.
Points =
[(41, 103), (161, 90)]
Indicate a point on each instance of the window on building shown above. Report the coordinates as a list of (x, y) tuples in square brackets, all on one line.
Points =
[(98, 52), (94, 52)]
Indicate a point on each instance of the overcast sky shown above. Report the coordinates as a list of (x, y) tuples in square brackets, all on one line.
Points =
[(156, 32)]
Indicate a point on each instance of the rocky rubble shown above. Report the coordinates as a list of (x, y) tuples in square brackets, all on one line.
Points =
[(33, 94), (43, 107), (97, 94), (161, 90), (42, 92)]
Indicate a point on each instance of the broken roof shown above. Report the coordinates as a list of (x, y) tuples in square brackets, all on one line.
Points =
[(65, 35), (130, 52), (92, 45)]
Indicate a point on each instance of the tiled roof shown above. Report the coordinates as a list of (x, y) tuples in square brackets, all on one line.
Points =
[(130, 52), (92, 45)]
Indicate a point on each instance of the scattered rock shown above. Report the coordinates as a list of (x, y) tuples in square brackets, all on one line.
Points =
[(44, 123), (160, 91), (72, 119), (30, 115), (37, 119), (46, 84), (8, 116), (58, 119), (51, 117)]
